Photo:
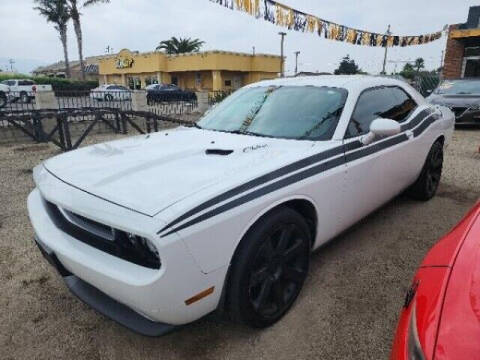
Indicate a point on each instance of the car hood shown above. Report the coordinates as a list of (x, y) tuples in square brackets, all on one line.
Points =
[(149, 173), (454, 100)]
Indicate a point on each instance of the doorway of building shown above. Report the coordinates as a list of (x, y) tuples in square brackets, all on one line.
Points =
[(134, 83), (472, 67)]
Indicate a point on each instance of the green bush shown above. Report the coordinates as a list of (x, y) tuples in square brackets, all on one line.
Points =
[(58, 84)]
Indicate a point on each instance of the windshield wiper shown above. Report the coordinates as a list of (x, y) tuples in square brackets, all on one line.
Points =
[(197, 126), (245, 132)]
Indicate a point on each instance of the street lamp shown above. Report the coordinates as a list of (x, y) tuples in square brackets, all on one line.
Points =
[(282, 39), (296, 61)]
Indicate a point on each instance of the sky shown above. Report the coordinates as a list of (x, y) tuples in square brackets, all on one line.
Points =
[(142, 24)]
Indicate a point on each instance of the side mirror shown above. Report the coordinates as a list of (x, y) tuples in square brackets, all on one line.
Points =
[(381, 128)]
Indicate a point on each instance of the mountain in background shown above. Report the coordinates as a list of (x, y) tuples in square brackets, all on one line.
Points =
[(24, 66)]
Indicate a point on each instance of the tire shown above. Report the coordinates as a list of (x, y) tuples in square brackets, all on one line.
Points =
[(108, 97), (3, 99), (24, 98), (427, 183), (269, 268)]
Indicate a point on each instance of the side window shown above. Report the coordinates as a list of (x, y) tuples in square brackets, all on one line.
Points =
[(384, 102), (405, 105)]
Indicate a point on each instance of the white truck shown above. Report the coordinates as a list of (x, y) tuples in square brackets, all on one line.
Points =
[(18, 89)]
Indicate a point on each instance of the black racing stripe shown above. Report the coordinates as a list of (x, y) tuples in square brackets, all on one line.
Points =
[(263, 191), (258, 181), (299, 176), (315, 170), (416, 120), (375, 148), (423, 126)]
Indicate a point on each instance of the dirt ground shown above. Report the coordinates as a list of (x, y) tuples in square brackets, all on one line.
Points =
[(348, 308)]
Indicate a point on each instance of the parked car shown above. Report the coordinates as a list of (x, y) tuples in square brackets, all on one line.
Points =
[(179, 223), (110, 92), (462, 96), (441, 315), (167, 93), (4, 95), (20, 89)]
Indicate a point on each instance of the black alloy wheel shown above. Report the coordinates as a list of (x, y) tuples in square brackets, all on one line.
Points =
[(270, 268), (427, 183)]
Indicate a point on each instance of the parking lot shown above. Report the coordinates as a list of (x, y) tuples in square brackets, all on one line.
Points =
[(347, 310)]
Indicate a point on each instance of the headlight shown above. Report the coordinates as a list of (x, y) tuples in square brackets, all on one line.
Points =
[(138, 249), (415, 351)]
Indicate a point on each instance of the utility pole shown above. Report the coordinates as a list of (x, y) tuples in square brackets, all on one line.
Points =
[(386, 51), (296, 61), (282, 72), (253, 50), (11, 61)]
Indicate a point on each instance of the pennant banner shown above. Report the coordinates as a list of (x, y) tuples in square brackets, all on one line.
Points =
[(292, 19)]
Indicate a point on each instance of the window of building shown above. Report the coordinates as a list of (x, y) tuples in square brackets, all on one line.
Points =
[(175, 80), (228, 83), (150, 80), (385, 102)]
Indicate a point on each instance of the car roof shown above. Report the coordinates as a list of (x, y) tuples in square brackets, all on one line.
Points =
[(350, 82)]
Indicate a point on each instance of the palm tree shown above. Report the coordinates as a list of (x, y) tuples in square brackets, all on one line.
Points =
[(56, 12), (180, 46), (419, 64), (75, 14)]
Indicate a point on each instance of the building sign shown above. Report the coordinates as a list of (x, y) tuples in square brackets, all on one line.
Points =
[(124, 63)]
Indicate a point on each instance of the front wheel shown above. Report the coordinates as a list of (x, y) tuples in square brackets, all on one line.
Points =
[(269, 268), (427, 183)]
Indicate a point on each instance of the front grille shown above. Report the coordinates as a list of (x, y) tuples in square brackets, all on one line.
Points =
[(103, 237)]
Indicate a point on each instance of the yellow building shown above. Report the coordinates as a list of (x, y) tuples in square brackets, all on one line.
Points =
[(208, 70)]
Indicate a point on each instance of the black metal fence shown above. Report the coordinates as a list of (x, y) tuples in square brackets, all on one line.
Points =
[(94, 99), (68, 128), (76, 114)]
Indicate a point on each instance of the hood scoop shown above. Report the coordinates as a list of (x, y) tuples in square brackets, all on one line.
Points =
[(221, 152)]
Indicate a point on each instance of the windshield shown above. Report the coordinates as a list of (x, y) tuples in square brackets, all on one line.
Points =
[(292, 112), (459, 87)]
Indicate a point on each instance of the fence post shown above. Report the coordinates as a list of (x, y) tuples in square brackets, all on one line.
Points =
[(139, 100), (45, 100), (202, 101)]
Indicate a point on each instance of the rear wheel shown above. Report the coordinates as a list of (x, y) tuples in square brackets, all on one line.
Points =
[(269, 268), (427, 183)]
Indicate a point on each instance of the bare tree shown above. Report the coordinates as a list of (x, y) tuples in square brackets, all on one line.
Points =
[(57, 12)]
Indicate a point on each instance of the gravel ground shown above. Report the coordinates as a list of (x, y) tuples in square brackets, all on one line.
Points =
[(347, 310)]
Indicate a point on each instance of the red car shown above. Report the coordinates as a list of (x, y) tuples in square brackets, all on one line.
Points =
[(441, 315)]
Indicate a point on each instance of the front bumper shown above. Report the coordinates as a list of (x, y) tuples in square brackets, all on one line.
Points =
[(118, 288), (104, 303)]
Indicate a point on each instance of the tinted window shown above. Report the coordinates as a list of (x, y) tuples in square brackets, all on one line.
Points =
[(25, 83), (386, 102), (293, 112), (459, 87), (405, 105)]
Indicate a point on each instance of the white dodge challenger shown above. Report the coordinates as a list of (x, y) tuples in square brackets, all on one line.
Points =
[(158, 230)]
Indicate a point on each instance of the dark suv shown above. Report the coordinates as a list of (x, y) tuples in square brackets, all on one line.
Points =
[(462, 96)]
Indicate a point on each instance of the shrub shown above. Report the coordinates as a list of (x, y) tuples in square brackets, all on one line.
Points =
[(58, 84)]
